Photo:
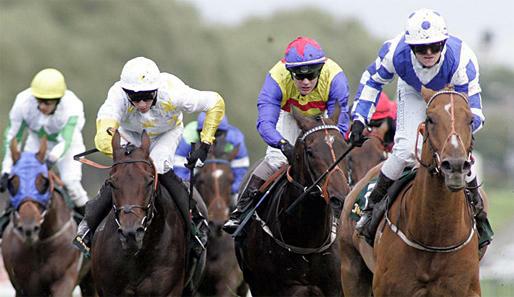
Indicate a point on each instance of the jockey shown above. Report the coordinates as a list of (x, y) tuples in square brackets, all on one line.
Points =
[(144, 99), (425, 57), (307, 80), (385, 111), (233, 137), (48, 109)]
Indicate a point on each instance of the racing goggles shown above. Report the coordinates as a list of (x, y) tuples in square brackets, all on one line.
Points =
[(309, 72), (423, 48), (141, 96)]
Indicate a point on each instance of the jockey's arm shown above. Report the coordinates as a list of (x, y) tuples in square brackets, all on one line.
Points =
[(109, 116), (338, 95), (15, 128), (268, 107), (65, 138)]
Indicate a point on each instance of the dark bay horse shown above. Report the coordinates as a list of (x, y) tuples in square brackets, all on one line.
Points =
[(427, 245), (371, 153), (36, 247), (297, 254), (140, 247), (222, 275)]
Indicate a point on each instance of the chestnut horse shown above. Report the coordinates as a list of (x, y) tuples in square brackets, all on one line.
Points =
[(427, 243), (222, 275), (372, 152), (140, 247), (297, 254), (36, 249)]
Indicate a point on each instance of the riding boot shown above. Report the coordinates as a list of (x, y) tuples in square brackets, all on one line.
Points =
[(243, 203), (198, 224), (485, 232), (378, 193), (95, 211), (5, 219)]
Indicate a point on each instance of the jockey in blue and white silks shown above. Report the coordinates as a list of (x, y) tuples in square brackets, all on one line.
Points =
[(233, 137), (424, 57), (307, 80)]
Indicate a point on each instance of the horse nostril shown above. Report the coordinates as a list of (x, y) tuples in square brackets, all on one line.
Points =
[(466, 166), (36, 229), (446, 166)]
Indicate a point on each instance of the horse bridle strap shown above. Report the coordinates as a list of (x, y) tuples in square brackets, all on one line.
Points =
[(301, 250), (318, 128)]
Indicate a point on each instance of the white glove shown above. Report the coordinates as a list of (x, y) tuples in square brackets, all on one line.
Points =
[(56, 152)]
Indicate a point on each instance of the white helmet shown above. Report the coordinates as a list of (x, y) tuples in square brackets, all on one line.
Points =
[(140, 74), (425, 26)]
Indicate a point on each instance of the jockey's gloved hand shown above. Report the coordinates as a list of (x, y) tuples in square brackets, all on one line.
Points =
[(199, 154), (3, 182), (287, 149), (356, 137)]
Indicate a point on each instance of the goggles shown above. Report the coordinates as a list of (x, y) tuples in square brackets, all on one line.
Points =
[(141, 96), (309, 72), (423, 48), (48, 101)]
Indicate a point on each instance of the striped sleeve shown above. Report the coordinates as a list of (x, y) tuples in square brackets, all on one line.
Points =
[(379, 73)]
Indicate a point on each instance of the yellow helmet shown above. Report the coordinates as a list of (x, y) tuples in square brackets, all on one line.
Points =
[(48, 84)]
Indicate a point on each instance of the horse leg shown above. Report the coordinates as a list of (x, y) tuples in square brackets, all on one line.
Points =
[(355, 275), (64, 286), (87, 287)]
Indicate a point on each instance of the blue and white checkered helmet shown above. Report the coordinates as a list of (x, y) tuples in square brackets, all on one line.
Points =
[(425, 26)]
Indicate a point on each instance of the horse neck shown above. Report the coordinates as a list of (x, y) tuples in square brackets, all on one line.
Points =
[(310, 223), (435, 215), (58, 214)]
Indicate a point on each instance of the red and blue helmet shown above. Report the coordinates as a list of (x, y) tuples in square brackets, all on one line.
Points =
[(303, 51)]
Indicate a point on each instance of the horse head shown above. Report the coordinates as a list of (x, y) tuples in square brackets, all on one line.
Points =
[(214, 182), (316, 149), (447, 138), (30, 190), (133, 180)]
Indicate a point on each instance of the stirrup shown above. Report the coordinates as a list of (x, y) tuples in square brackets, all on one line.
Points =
[(79, 243), (231, 226)]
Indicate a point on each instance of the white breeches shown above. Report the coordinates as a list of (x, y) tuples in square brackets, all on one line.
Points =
[(162, 147)]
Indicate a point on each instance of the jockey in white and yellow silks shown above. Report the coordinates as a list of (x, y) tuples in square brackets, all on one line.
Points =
[(308, 80), (48, 109), (147, 100)]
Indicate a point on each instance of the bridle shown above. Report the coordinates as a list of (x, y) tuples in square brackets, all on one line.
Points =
[(148, 206), (435, 166)]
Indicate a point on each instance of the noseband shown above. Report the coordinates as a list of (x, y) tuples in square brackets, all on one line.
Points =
[(435, 167)]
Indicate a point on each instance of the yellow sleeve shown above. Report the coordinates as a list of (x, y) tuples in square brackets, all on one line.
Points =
[(103, 141), (212, 120)]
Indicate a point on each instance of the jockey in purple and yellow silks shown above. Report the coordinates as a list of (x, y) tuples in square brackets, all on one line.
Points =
[(144, 99), (307, 80)]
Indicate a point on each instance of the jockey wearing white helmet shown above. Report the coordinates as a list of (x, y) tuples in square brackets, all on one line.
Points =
[(424, 56)]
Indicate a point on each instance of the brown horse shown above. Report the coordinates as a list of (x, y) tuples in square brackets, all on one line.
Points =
[(214, 181), (297, 254), (36, 248), (140, 248), (372, 152), (427, 244)]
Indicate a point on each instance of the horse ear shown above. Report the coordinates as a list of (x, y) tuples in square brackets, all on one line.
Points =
[(305, 123), (116, 140), (234, 152), (15, 152), (43, 143), (145, 142), (335, 115)]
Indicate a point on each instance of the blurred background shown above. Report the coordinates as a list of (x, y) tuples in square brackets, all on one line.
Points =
[(229, 45)]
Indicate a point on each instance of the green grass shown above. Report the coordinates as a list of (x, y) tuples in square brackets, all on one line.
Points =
[(501, 207), (497, 288)]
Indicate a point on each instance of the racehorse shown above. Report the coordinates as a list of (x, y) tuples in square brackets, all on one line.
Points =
[(222, 275), (373, 151), (296, 254), (36, 248), (140, 247), (427, 243)]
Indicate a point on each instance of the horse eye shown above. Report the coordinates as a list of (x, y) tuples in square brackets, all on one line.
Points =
[(310, 153), (42, 184), (429, 120)]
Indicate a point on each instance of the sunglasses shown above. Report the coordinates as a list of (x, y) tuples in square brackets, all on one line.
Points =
[(145, 96), (308, 75), (423, 48)]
